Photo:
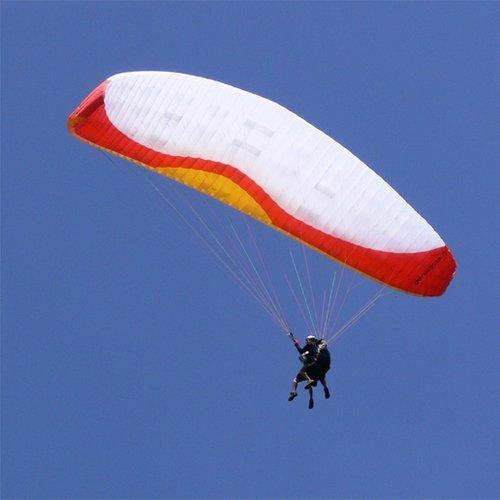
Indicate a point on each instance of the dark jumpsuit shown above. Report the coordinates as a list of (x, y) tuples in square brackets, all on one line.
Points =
[(311, 357)]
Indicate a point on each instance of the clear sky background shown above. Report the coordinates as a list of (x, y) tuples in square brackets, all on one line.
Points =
[(133, 368)]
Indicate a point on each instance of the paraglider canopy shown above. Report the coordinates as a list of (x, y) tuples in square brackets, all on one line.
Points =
[(267, 162)]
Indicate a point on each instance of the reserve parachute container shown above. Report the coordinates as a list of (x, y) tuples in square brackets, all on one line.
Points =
[(267, 162)]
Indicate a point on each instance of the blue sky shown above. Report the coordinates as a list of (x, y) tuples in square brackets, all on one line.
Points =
[(104, 298)]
